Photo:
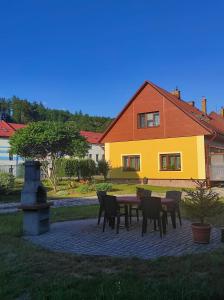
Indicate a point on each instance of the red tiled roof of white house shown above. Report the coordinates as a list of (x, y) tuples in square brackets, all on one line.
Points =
[(92, 137), (8, 129)]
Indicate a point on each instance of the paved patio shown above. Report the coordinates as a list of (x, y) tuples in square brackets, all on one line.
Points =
[(86, 237)]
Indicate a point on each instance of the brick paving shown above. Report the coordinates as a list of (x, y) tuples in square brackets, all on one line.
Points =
[(86, 237)]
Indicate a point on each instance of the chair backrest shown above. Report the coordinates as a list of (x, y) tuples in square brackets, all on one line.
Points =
[(140, 192), (147, 193), (111, 206), (151, 207), (176, 195), (101, 196)]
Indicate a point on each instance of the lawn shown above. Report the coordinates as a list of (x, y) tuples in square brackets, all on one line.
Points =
[(65, 191), (29, 272)]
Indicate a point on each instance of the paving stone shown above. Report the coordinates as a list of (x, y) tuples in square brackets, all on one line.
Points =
[(86, 237)]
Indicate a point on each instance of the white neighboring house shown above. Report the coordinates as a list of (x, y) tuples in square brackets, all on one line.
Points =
[(8, 162), (96, 151), (13, 163)]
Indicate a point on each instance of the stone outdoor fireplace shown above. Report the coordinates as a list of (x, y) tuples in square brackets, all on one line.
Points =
[(34, 201)]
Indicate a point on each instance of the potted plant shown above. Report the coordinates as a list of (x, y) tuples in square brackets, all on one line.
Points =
[(201, 204), (145, 180)]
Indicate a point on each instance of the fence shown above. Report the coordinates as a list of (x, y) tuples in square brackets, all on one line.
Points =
[(16, 170)]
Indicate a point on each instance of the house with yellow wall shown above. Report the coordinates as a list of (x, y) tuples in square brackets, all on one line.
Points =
[(169, 141)]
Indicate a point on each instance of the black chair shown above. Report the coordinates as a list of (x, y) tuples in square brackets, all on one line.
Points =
[(140, 192), (152, 209), (176, 195), (112, 213), (101, 195)]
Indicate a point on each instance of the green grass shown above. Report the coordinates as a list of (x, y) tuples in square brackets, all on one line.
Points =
[(30, 272), (64, 191), (14, 195)]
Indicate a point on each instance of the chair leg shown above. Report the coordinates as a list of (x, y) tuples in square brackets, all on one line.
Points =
[(99, 215), (130, 213), (164, 217), (126, 217), (144, 225), (137, 214), (118, 223), (179, 216), (173, 218), (154, 221), (104, 222), (112, 222), (160, 227)]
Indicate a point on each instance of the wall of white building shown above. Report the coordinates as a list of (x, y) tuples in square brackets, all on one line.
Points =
[(8, 163), (96, 152)]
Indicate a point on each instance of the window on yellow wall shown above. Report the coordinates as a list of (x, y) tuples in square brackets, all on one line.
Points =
[(131, 163), (170, 162)]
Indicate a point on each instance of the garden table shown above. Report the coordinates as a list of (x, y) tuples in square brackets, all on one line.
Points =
[(167, 203)]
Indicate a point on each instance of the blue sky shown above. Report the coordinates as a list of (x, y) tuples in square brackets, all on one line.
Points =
[(92, 55)]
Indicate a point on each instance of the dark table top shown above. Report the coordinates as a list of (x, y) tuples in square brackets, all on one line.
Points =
[(135, 200)]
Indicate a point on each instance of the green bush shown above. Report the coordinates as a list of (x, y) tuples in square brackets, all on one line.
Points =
[(7, 182), (87, 168), (103, 168), (105, 186), (60, 167), (72, 168), (86, 188)]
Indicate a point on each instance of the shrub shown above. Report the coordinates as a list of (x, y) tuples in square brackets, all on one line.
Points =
[(87, 168), (60, 167), (7, 182), (86, 188), (105, 186), (103, 168), (72, 168)]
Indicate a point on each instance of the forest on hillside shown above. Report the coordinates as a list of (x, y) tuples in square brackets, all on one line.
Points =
[(23, 111)]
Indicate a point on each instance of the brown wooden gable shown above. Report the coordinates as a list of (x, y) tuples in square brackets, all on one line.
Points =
[(174, 122)]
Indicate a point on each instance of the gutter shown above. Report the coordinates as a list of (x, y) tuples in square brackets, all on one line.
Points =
[(207, 157)]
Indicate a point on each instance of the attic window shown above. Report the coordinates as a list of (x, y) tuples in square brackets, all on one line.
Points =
[(147, 120)]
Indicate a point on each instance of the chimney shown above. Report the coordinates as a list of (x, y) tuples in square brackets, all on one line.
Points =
[(204, 105), (192, 103), (222, 112), (176, 92)]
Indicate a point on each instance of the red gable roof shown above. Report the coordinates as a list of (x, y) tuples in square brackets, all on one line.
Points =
[(92, 137), (16, 126), (217, 121), (8, 129), (212, 123)]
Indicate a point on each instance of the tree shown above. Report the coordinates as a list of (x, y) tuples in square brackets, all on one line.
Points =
[(47, 142), (103, 168), (202, 202), (19, 110)]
